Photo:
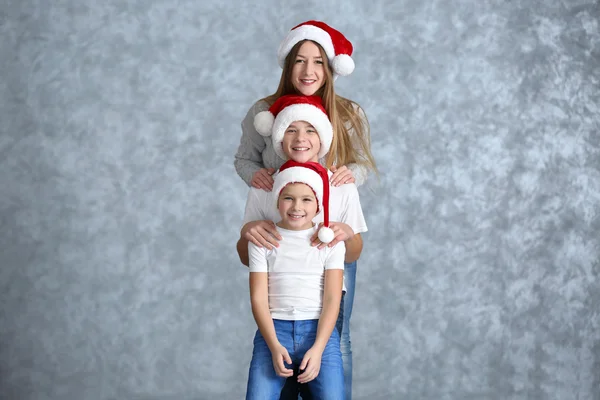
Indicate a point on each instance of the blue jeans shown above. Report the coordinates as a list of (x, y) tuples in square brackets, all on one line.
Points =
[(297, 337), (292, 388), (345, 344)]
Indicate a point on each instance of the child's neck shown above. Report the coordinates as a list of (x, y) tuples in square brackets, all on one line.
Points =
[(283, 225)]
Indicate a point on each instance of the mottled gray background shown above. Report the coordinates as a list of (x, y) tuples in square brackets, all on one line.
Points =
[(120, 206)]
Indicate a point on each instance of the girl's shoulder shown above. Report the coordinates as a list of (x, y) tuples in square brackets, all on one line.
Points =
[(259, 105)]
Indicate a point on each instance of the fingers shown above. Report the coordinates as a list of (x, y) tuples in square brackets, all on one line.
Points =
[(261, 242), (273, 231), (257, 181), (269, 238), (341, 175), (262, 179), (279, 356), (311, 371), (335, 241), (342, 232), (285, 373), (304, 363), (253, 236), (340, 235), (263, 234), (281, 370), (314, 240), (342, 179)]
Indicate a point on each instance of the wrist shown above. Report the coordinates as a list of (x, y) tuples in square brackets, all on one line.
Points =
[(274, 346), (319, 346)]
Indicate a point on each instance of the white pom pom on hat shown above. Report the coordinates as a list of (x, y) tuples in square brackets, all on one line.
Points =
[(315, 176), (263, 122), (290, 108), (343, 64), (326, 234), (337, 47)]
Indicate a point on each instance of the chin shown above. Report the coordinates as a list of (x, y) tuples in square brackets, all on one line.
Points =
[(301, 158), (297, 225), (305, 91)]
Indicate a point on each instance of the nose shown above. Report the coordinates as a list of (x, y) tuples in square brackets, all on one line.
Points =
[(300, 136), (308, 68)]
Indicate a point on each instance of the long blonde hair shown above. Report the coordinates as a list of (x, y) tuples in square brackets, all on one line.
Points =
[(346, 147)]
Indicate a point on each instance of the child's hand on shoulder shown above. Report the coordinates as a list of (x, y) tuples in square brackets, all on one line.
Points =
[(262, 179), (341, 176), (279, 355), (262, 233), (311, 365), (341, 231)]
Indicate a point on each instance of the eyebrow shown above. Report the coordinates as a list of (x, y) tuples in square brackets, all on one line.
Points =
[(301, 56), (293, 125), (303, 196)]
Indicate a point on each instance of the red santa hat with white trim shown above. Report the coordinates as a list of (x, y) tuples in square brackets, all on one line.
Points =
[(316, 177), (336, 46), (290, 108)]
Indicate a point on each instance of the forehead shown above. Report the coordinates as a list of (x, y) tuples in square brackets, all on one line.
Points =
[(301, 124), (297, 189), (309, 48)]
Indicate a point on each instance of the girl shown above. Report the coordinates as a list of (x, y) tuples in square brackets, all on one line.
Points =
[(312, 56)]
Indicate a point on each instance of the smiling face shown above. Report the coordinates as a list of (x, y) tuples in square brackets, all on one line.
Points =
[(308, 71), (301, 142), (297, 206)]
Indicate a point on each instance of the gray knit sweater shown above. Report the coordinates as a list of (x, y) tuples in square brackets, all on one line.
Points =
[(256, 151)]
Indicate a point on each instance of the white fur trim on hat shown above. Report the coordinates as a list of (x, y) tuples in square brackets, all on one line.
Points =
[(299, 175), (302, 112), (305, 32)]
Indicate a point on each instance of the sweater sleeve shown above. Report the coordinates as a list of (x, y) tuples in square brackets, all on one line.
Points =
[(248, 158), (360, 173)]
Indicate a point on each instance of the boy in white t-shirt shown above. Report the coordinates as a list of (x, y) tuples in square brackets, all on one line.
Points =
[(301, 131), (296, 290)]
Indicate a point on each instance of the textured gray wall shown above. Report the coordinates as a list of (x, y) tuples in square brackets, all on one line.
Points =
[(120, 207)]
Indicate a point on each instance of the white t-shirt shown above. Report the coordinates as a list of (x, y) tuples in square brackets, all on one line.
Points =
[(344, 206), (296, 273)]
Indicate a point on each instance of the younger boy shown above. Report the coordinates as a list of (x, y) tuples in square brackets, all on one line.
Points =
[(296, 290)]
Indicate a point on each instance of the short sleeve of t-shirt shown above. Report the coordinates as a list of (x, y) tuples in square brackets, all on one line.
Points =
[(352, 213), (335, 257), (254, 206), (258, 258)]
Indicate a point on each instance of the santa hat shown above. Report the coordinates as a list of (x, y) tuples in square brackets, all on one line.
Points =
[(336, 46), (314, 175), (290, 108)]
